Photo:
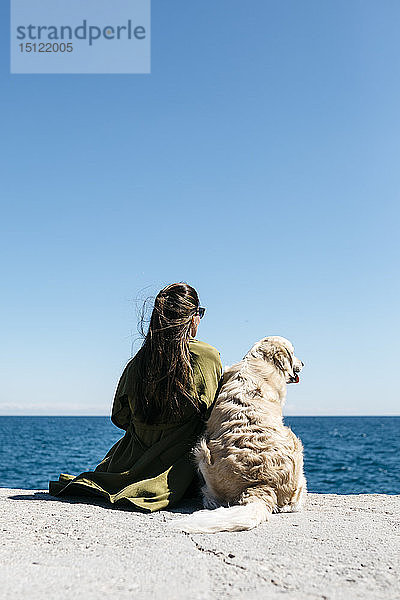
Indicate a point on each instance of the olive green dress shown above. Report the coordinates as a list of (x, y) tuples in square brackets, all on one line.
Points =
[(150, 467)]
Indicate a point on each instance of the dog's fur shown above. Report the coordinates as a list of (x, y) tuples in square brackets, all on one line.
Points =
[(247, 457)]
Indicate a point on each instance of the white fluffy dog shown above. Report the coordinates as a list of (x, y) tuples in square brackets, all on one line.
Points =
[(251, 462)]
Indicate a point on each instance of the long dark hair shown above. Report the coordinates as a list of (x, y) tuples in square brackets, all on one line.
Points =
[(163, 387)]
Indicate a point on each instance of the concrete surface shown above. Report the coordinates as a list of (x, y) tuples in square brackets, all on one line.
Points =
[(338, 547)]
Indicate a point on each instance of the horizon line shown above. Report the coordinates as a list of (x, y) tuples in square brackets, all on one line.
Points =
[(284, 415)]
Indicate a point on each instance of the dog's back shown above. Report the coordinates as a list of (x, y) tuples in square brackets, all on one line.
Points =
[(246, 451), (247, 456)]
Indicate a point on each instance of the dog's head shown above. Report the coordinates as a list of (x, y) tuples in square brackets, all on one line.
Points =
[(280, 353)]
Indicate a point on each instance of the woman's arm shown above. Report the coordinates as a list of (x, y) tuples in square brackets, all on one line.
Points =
[(207, 374), (121, 412)]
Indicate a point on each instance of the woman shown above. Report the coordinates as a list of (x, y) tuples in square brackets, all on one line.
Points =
[(162, 401)]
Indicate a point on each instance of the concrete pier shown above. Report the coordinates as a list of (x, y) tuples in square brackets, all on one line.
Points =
[(339, 547)]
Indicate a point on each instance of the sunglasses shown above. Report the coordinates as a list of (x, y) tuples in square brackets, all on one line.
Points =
[(201, 311)]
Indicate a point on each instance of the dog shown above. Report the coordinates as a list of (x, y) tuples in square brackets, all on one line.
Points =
[(250, 462)]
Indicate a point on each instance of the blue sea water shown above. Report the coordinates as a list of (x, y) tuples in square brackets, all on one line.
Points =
[(343, 455)]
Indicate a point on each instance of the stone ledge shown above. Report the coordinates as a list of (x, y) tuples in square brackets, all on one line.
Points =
[(339, 547)]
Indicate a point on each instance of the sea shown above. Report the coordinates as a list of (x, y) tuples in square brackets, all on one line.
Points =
[(343, 455)]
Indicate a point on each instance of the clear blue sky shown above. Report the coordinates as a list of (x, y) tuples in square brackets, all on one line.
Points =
[(259, 162)]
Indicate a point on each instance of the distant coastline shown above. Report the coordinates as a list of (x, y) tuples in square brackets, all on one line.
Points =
[(85, 415)]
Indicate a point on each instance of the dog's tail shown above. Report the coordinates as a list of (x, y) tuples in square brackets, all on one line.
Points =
[(234, 518)]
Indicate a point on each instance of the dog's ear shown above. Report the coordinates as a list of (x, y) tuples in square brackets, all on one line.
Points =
[(283, 360), (278, 355)]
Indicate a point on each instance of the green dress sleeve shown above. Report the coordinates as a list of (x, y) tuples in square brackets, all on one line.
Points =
[(121, 413), (207, 371)]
